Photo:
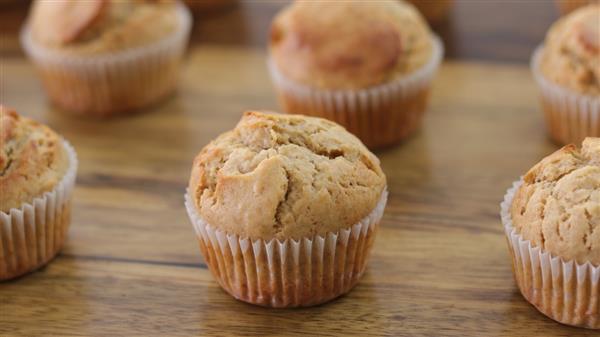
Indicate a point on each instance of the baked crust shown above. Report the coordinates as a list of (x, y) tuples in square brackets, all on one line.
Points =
[(558, 206), (350, 44), (33, 159), (285, 176), (571, 56), (100, 26)]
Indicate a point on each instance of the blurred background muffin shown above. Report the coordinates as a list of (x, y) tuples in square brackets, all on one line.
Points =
[(37, 174), (435, 11), (104, 57), (567, 71), (365, 65)]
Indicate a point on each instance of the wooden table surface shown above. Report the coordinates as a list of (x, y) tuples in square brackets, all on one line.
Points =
[(131, 264)]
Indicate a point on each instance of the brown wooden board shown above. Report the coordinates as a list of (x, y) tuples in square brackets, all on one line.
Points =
[(131, 264)]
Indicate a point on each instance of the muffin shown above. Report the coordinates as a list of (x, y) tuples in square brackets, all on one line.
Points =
[(106, 57), (567, 71), (552, 222), (365, 65), (435, 11), (37, 174), (286, 208), (567, 6)]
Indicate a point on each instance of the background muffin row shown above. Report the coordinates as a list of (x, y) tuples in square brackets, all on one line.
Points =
[(374, 81)]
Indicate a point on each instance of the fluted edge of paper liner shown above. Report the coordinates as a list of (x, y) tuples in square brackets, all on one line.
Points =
[(32, 235), (288, 273)]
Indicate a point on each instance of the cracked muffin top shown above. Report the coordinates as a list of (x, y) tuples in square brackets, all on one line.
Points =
[(100, 26), (558, 206), (571, 55), (285, 176), (33, 159), (349, 44)]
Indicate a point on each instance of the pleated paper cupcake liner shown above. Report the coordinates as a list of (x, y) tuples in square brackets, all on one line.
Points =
[(30, 236), (565, 291), (288, 273), (119, 82), (570, 116), (381, 115)]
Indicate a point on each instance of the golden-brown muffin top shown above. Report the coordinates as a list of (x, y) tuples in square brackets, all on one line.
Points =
[(33, 159), (101, 26), (349, 44), (571, 56), (285, 176), (558, 205)]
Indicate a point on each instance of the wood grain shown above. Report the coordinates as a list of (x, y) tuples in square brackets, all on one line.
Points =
[(131, 265)]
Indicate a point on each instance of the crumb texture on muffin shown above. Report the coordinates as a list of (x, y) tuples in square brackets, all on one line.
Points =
[(558, 206), (33, 159), (285, 176), (101, 26), (571, 56), (350, 44)]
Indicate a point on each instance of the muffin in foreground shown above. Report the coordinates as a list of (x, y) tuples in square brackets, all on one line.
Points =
[(37, 174), (552, 222), (365, 65), (106, 57), (286, 208), (567, 71)]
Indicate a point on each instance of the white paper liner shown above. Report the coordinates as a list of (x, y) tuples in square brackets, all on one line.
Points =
[(562, 290), (380, 115), (570, 116), (103, 85), (30, 236), (287, 273)]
